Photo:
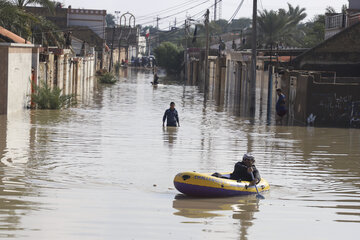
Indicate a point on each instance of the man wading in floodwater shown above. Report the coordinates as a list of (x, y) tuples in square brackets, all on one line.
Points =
[(172, 117)]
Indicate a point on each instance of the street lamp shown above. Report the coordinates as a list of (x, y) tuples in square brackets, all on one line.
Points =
[(118, 16)]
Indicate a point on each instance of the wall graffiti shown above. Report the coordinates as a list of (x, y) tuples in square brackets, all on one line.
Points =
[(336, 110)]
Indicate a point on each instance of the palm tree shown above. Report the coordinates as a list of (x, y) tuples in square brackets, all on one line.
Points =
[(272, 26), (43, 3), (15, 18), (296, 14), (330, 10), (281, 26)]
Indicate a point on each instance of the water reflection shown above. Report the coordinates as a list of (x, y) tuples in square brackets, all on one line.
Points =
[(170, 135), (15, 190), (243, 209)]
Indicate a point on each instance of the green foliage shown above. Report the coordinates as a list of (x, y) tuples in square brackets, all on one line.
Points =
[(44, 3), (46, 98), (314, 31), (15, 18), (240, 24), (107, 78), (43, 33), (170, 57), (110, 20), (281, 27)]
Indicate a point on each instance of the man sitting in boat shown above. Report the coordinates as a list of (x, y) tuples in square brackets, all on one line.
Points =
[(246, 170)]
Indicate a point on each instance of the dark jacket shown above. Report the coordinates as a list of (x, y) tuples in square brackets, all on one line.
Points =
[(280, 104), (241, 173), (172, 117)]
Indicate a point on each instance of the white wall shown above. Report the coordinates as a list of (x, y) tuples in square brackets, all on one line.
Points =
[(19, 78)]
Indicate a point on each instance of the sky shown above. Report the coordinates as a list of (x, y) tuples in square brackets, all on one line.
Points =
[(146, 11)]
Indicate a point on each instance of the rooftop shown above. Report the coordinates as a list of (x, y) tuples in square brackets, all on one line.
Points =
[(10, 37)]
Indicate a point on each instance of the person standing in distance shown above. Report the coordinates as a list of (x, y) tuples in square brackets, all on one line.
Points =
[(280, 106), (172, 117)]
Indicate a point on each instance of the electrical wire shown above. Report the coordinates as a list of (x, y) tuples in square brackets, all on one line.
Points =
[(100, 27), (175, 14), (236, 11), (168, 9)]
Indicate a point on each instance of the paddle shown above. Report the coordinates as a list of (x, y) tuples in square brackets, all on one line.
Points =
[(258, 196)]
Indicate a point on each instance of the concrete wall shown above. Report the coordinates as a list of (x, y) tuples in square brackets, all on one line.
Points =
[(333, 103), (237, 83), (16, 63), (74, 75), (229, 81), (19, 78)]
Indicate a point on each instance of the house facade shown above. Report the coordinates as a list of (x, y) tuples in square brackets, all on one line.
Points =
[(336, 22)]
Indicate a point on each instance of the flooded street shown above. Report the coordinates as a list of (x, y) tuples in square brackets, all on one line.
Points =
[(104, 170)]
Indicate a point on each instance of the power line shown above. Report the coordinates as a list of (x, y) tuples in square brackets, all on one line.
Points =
[(168, 9), (100, 27), (236, 11), (175, 14)]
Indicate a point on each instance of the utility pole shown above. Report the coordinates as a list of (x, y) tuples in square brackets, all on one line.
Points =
[(215, 7), (207, 51), (157, 31), (186, 51), (112, 49), (253, 61), (157, 22)]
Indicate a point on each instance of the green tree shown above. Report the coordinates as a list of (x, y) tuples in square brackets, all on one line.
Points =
[(170, 57), (15, 18), (314, 31), (239, 24), (281, 27), (110, 20), (43, 3)]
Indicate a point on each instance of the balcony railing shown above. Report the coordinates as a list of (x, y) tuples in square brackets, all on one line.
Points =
[(335, 21)]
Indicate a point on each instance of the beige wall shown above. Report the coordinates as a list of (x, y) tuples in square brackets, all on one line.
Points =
[(19, 78), (74, 75), (16, 63)]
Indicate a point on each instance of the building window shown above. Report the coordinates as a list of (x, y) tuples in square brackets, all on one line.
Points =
[(334, 21)]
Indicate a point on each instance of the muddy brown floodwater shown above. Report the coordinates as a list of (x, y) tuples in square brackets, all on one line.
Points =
[(104, 171)]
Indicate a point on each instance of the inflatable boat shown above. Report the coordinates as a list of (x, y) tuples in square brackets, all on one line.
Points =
[(206, 185)]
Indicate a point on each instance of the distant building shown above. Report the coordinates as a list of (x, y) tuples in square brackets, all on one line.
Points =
[(142, 46), (93, 19), (336, 22)]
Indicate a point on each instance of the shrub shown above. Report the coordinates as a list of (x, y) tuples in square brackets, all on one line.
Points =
[(101, 72), (46, 98), (107, 78), (170, 57)]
